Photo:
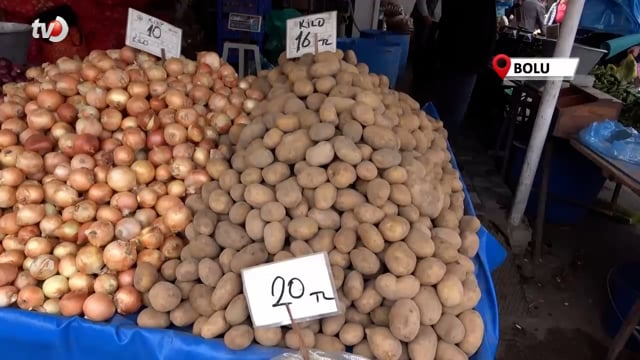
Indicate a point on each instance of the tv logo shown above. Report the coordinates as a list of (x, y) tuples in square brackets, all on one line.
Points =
[(55, 31)]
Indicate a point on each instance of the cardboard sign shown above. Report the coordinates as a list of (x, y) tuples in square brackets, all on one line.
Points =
[(312, 34), (152, 35), (305, 284), (245, 22)]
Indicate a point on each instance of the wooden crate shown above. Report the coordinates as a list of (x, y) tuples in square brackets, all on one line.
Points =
[(578, 107)]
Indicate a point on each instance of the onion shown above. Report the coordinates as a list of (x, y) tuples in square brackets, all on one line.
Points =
[(209, 58), (108, 213), (117, 98), (144, 171), (110, 119), (71, 303), (115, 78), (127, 54), (81, 282), (40, 119), (13, 242), (30, 297), (65, 248), (11, 176), (136, 105), (66, 85), (12, 257), (49, 224), (106, 284), (97, 98), (138, 89), (178, 218), (195, 179), (218, 102), (163, 172), (30, 214), (147, 197), (9, 295), (28, 232), (160, 155), (125, 278), (200, 94), (7, 196), (101, 171), (127, 300), (151, 238), (38, 143), (98, 307), (195, 133), (14, 125), (64, 196), (127, 229), (157, 104), (120, 255), (81, 179), (123, 155), (167, 203), (125, 201), (44, 267), (37, 246), (50, 306), (89, 260), (85, 211), (89, 112), (49, 99), (158, 88), (24, 279), (203, 79), (176, 99), (151, 256), (135, 138), (100, 233), (100, 193), (156, 73), (145, 216), (67, 113), (176, 188), (181, 167), (121, 178), (8, 224), (67, 143), (89, 126), (7, 138), (175, 134), (55, 286), (83, 161), (67, 266)]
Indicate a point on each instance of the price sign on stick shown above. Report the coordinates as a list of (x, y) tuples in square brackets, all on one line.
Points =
[(153, 35), (312, 34), (305, 284)]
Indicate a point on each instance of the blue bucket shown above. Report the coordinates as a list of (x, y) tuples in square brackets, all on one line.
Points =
[(404, 39), (623, 286), (382, 57)]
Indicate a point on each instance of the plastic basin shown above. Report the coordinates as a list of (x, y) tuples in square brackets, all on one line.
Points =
[(14, 41), (404, 39), (623, 287), (382, 56)]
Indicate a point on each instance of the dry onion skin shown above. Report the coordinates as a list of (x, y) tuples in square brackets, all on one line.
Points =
[(98, 158)]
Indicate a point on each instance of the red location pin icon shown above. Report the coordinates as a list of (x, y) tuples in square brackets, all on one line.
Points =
[(501, 65)]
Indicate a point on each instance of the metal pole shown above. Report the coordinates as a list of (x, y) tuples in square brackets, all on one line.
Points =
[(545, 113)]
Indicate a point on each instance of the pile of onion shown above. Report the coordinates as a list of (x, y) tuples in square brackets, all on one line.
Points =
[(98, 160)]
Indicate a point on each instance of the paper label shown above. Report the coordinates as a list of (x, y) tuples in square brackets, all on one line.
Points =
[(312, 34), (151, 35)]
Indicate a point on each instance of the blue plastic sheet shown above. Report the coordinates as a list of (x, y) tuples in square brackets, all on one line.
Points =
[(612, 16), (29, 335), (612, 139)]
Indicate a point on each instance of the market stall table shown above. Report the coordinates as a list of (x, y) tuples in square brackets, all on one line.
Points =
[(628, 175)]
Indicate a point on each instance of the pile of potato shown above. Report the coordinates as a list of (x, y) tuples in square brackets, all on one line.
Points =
[(333, 161)]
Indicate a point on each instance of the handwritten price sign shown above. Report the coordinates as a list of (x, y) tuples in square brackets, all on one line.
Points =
[(152, 35), (305, 284), (312, 34)]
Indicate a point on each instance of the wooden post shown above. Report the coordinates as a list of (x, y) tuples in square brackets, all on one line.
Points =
[(625, 332)]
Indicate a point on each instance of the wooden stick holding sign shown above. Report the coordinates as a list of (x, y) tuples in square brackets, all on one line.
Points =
[(303, 347)]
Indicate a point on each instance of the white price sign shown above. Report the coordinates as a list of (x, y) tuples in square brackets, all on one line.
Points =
[(312, 34), (304, 284), (152, 35)]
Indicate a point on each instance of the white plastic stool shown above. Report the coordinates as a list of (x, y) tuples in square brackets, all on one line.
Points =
[(241, 49)]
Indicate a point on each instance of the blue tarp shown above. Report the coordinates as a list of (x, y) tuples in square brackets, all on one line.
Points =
[(29, 335), (612, 16)]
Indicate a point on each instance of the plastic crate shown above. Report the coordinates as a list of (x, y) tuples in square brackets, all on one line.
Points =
[(248, 7)]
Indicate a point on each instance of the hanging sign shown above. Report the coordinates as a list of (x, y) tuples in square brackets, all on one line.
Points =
[(245, 22), (312, 34), (153, 35), (304, 284)]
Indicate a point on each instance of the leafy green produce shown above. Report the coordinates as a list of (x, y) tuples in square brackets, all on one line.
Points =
[(619, 83)]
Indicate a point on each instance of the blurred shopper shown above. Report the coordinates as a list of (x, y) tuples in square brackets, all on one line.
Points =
[(466, 39), (556, 12), (532, 16), (426, 18)]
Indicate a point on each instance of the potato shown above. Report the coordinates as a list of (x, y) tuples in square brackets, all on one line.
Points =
[(146, 276), (268, 336), (363, 349), (283, 255), (303, 88), (332, 325), (323, 241), (474, 331), (328, 343), (446, 351), (185, 288), (183, 315), (209, 272), (237, 192), (346, 150), (380, 316), (410, 213), (251, 176), (366, 170), (215, 326), (351, 334), (259, 157), (252, 131), (470, 298), (458, 270), (354, 316), (400, 260), (395, 175), (164, 296), (404, 320), (429, 305), (400, 195), (294, 105), (325, 84), (258, 195), (273, 211), (424, 345), (204, 246), (200, 299), (363, 113), (378, 191), (150, 318), (327, 67), (320, 154), (386, 158), (340, 103), (238, 337), (272, 138), (252, 255), (379, 137), (321, 132), (230, 235), (300, 248), (349, 199), (311, 177), (367, 213), (395, 288), (370, 237), (353, 285), (198, 324), (225, 259), (204, 221), (168, 271), (470, 224), (187, 271), (220, 202), (350, 128), (275, 173), (314, 101), (450, 291), (293, 147), (450, 329), (394, 228), (447, 219), (369, 300), (445, 251), (289, 193), (383, 344), (364, 261), (420, 243), (430, 271), (227, 288), (237, 311), (341, 174), (292, 338), (328, 113), (274, 237), (302, 228), (470, 244), (448, 236)]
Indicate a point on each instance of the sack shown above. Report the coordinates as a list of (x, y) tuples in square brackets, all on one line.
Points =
[(320, 355)]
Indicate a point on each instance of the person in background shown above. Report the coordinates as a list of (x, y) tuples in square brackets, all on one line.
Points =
[(532, 16), (426, 17), (466, 38), (556, 12)]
